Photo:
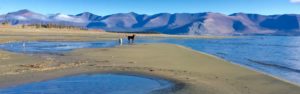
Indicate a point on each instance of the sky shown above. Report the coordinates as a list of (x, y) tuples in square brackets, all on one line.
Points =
[(106, 7)]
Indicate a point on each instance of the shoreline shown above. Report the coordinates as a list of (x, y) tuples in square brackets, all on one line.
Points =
[(249, 68)]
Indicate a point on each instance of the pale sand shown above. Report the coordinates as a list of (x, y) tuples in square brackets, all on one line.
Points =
[(201, 73)]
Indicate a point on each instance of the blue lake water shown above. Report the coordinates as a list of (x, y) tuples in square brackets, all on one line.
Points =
[(278, 56), (53, 47), (95, 84)]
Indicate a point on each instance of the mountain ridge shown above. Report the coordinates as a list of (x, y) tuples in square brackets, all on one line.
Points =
[(206, 23)]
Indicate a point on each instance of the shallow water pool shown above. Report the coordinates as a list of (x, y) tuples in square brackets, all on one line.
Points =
[(95, 84), (53, 47)]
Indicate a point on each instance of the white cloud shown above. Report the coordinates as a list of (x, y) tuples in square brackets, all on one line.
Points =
[(295, 1)]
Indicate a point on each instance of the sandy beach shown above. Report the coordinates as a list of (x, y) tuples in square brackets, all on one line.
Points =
[(200, 73)]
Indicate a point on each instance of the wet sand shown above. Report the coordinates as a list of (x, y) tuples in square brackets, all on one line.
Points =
[(200, 73)]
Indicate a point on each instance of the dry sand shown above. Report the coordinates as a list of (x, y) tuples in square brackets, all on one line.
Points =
[(201, 73)]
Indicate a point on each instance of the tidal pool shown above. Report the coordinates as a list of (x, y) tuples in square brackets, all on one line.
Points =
[(96, 84), (53, 47)]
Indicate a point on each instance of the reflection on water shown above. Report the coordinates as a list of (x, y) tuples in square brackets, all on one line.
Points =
[(275, 55), (95, 84)]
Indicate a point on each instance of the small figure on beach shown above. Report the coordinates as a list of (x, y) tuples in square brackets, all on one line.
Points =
[(131, 38), (24, 45), (120, 41)]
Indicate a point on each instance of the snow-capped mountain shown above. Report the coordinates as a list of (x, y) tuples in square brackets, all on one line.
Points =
[(89, 16), (24, 17), (179, 23)]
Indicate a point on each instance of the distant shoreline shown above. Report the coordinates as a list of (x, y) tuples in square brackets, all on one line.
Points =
[(77, 34)]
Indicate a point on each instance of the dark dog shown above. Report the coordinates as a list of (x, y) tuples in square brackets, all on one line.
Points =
[(131, 38)]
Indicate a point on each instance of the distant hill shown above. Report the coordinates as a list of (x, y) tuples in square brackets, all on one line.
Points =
[(179, 23)]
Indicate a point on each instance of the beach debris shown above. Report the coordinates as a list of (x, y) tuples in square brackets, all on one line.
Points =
[(151, 70), (104, 49), (45, 66), (32, 65), (78, 63), (132, 62), (102, 61), (217, 77), (92, 65)]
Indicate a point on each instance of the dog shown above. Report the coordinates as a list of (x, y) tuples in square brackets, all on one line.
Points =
[(131, 38)]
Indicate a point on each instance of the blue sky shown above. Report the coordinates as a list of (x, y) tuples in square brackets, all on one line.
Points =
[(105, 7)]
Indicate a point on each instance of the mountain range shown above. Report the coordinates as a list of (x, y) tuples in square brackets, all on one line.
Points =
[(206, 23)]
